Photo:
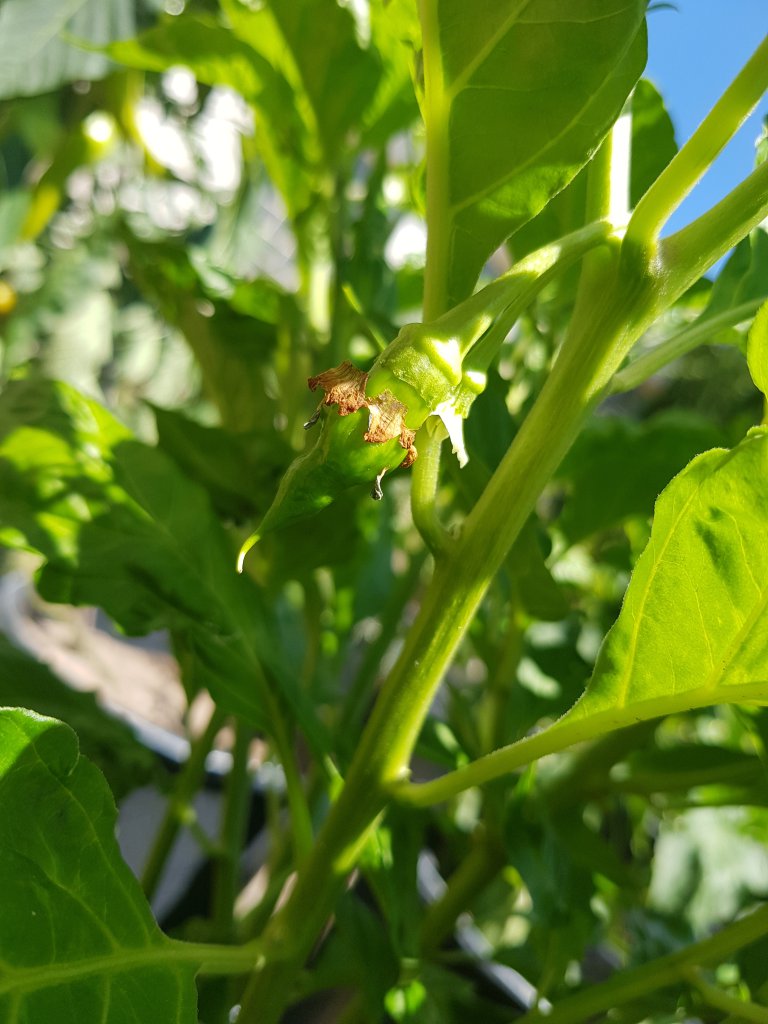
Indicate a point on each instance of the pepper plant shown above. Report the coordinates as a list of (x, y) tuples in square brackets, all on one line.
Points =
[(518, 710)]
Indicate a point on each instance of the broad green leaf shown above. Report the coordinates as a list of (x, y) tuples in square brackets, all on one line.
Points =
[(757, 349), (37, 41), (652, 147), (600, 493), (241, 472), (693, 628), (104, 739), (395, 40), (122, 528), (77, 939), (518, 97)]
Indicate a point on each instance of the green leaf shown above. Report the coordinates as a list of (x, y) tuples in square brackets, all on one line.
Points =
[(338, 77), (240, 471), (122, 528), (38, 38), (601, 494), (693, 629), (78, 940), (207, 48), (757, 349), (104, 739), (518, 97)]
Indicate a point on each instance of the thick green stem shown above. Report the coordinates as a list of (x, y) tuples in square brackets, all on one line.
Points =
[(689, 252), (661, 973), (690, 163)]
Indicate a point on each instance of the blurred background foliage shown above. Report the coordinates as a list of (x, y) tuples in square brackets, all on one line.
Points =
[(201, 204)]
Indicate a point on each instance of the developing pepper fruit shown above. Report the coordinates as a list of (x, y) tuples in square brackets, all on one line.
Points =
[(369, 421), (368, 425)]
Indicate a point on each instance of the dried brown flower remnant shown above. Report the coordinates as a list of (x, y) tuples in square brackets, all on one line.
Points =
[(344, 386)]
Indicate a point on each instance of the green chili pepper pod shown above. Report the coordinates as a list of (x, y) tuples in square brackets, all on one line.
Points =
[(361, 437)]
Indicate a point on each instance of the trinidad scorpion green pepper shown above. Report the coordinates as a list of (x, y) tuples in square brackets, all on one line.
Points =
[(368, 425), (369, 420)]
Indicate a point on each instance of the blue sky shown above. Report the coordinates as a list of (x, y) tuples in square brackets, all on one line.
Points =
[(694, 52)]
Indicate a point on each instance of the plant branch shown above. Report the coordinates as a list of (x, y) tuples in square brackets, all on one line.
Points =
[(692, 161), (568, 731), (687, 254), (695, 334), (179, 804), (657, 974), (740, 1009)]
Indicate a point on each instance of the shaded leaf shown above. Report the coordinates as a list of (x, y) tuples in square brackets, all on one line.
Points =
[(78, 939), (104, 739), (601, 493), (122, 528), (533, 88), (240, 471)]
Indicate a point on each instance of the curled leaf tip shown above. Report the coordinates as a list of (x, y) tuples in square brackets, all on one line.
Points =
[(246, 547)]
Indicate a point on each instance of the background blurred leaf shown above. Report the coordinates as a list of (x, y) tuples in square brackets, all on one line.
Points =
[(104, 739), (38, 50), (120, 527), (601, 493), (653, 139), (79, 941)]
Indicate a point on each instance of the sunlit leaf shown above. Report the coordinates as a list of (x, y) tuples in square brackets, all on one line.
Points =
[(77, 939), (518, 98), (693, 629)]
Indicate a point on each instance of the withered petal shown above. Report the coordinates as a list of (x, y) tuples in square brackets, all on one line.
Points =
[(343, 386)]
